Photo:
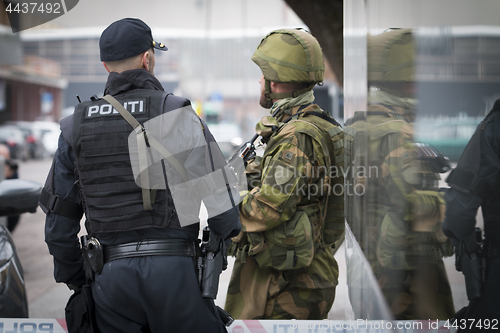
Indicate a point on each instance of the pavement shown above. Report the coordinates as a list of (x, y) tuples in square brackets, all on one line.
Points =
[(47, 298)]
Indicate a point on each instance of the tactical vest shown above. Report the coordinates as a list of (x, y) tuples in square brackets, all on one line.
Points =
[(317, 226), (329, 134), (99, 137)]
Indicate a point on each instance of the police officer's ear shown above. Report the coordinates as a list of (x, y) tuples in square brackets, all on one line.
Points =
[(146, 60), (106, 66)]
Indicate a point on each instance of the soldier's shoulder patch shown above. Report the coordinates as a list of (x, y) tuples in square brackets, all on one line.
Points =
[(288, 156)]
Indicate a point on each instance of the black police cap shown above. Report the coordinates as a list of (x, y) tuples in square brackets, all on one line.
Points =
[(126, 38)]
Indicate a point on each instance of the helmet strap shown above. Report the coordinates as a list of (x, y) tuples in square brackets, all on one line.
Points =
[(267, 94), (292, 94)]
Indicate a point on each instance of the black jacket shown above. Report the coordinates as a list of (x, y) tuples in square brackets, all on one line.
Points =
[(61, 232), (462, 206)]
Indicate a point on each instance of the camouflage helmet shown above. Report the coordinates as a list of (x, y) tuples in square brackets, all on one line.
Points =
[(290, 56), (391, 56)]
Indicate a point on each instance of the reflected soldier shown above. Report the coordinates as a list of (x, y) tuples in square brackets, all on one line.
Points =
[(398, 220), (284, 266)]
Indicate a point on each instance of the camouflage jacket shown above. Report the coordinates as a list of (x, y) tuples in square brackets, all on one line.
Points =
[(299, 168)]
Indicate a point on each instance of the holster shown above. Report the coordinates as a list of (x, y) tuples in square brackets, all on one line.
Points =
[(80, 309), (472, 264), (93, 257)]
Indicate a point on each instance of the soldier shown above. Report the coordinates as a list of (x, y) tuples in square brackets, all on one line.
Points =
[(144, 279), (284, 266), (474, 182), (397, 221)]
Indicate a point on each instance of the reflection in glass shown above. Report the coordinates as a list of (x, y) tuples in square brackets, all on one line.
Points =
[(397, 219)]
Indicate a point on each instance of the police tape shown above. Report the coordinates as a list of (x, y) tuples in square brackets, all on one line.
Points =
[(331, 326), (31, 325)]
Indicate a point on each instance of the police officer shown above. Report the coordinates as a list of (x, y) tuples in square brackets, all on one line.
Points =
[(397, 219), (474, 183), (147, 280), (284, 266)]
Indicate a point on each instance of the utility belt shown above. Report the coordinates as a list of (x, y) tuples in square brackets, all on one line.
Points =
[(96, 255)]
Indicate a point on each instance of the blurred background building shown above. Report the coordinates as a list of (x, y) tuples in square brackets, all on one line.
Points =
[(30, 86), (457, 61), (210, 45)]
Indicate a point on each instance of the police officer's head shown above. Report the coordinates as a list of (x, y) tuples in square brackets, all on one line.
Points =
[(291, 61), (128, 44)]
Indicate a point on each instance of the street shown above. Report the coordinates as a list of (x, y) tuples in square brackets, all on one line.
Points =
[(47, 299)]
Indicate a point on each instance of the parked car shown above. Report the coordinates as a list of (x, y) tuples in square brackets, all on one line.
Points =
[(50, 132), (13, 137), (16, 196), (228, 136), (33, 137)]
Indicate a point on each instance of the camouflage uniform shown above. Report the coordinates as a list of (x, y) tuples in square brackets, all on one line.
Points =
[(398, 220), (290, 184)]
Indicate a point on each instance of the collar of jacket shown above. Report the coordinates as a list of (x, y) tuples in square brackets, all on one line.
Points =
[(131, 80)]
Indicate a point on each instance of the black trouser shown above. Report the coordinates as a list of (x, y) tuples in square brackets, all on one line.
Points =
[(152, 294)]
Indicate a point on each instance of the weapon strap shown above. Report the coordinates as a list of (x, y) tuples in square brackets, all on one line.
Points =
[(143, 141), (324, 117)]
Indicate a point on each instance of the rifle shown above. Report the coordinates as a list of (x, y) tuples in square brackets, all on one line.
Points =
[(469, 261), (211, 263), (247, 150), (436, 161)]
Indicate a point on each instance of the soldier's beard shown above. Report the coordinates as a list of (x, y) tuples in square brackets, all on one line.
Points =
[(265, 102)]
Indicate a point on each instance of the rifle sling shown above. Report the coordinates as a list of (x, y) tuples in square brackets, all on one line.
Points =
[(142, 143)]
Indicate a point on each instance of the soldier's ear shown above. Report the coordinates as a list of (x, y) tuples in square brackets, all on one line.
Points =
[(273, 86)]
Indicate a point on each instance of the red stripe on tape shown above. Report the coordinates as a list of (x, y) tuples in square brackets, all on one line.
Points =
[(63, 324), (255, 326)]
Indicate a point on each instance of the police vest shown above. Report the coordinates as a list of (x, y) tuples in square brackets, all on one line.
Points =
[(99, 135)]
